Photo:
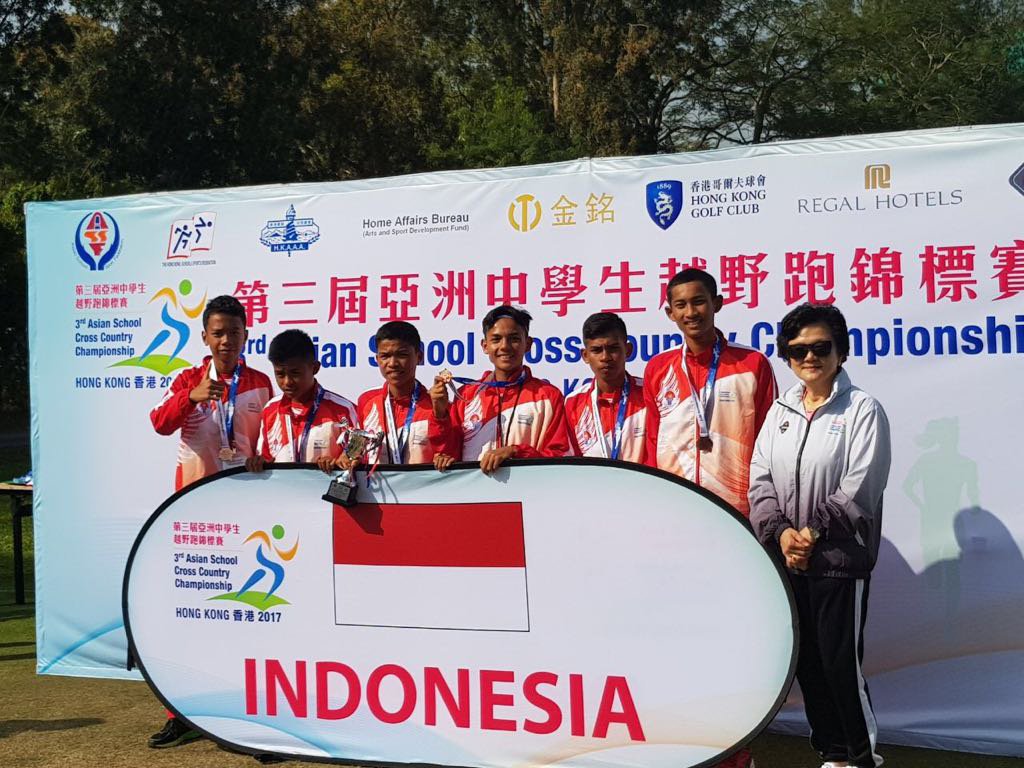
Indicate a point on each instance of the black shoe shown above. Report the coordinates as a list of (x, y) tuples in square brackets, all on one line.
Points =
[(173, 734)]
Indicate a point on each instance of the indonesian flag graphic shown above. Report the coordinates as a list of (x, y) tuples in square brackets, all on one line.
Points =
[(438, 566)]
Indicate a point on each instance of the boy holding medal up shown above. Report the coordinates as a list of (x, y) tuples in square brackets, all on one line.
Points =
[(607, 416), (304, 423), (706, 402), (508, 413), (216, 406), (414, 419)]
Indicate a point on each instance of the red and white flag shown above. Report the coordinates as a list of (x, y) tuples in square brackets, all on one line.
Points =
[(440, 566)]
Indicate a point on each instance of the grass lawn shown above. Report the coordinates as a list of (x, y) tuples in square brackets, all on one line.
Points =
[(57, 722)]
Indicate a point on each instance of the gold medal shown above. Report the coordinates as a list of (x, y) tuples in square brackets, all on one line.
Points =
[(445, 376), (227, 454)]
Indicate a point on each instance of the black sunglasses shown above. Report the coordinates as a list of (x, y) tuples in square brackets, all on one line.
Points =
[(799, 351)]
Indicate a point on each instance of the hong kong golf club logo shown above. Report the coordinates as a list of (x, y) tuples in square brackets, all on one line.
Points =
[(664, 202)]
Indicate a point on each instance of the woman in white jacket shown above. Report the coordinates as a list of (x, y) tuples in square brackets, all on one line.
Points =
[(820, 465)]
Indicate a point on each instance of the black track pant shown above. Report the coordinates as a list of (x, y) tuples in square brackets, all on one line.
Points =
[(832, 613)]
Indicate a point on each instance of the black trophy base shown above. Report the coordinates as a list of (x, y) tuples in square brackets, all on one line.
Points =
[(340, 492)]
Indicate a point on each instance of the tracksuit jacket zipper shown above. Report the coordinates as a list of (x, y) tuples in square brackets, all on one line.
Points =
[(799, 457)]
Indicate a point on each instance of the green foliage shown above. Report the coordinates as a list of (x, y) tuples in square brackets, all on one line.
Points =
[(102, 97)]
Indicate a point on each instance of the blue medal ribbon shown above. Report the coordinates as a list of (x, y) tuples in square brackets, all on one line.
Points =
[(299, 447), (227, 416), (401, 439), (488, 383), (620, 420), (701, 403)]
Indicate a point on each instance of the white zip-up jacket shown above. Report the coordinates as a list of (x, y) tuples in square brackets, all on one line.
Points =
[(828, 473)]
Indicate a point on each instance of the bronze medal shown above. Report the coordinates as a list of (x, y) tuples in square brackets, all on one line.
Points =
[(705, 444)]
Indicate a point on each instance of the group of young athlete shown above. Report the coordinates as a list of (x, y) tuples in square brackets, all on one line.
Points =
[(696, 413)]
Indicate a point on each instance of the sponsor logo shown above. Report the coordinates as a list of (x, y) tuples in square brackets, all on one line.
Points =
[(664, 202), (191, 240), (161, 355), (269, 572), (430, 223), (97, 240), (878, 176), (728, 196), (524, 213), (783, 427), (524, 419), (726, 396), (1017, 179), (290, 233)]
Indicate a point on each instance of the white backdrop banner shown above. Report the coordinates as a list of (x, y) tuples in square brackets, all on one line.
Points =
[(543, 615), (917, 237)]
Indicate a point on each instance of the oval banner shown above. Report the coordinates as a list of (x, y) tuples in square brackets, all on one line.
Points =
[(573, 612)]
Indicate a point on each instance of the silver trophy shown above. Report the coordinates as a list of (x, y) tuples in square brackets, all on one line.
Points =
[(354, 443)]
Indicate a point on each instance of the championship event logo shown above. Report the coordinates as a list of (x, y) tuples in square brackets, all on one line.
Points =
[(173, 336), (664, 202), (97, 240), (268, 573)]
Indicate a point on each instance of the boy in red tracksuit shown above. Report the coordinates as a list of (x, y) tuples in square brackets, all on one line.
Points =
[(216, 406), (508, 413), (607, 416), (706, 402), (305, 422), (414, 419)]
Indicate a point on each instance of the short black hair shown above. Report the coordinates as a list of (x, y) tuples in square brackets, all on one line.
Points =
[(806, 314), (518, 316), (224, 305), (604, 324), (292, 344), (692, 275), (399, 330)]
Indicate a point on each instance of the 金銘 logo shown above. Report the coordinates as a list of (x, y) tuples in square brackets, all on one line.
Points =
[(97, 240), (878, 176), (290, 233), (524, 213), (664, 202)]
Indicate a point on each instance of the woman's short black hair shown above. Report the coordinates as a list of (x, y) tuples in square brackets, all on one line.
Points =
[(800, 317)]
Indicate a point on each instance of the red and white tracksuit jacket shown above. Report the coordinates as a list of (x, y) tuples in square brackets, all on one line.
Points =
[(594, 437), (284, 419), (427, 435), (198, 452), (529, 416), (744, 391)]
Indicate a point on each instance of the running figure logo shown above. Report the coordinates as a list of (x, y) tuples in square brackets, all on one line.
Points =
[(175, 331), (265, 550)]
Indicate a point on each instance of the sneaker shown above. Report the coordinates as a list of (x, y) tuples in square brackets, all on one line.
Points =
[(173, 734)]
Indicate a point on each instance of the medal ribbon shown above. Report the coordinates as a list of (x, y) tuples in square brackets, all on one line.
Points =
[(701, 404), (620, 420), (226, 413), (299, 446), (397, 441)]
